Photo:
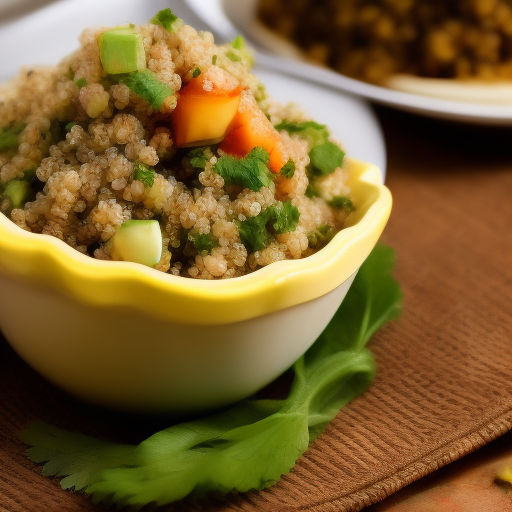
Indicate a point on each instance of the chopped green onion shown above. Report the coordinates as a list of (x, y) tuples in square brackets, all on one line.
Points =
[(81, 82), (122, 51), (146, 85), (167, 19), (144, 174)]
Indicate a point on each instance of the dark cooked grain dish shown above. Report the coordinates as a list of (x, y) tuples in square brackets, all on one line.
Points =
[(152, 144), (373, 39)]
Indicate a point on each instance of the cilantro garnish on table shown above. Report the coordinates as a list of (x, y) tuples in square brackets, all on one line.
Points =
[(249, 445)]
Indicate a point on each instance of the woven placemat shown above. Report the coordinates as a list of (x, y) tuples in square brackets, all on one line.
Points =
[(444, 381)]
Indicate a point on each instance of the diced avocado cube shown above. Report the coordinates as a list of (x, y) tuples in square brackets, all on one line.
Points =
[(139, 241), (122, 51), (17, 191)]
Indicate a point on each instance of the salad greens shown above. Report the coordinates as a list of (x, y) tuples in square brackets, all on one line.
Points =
[(249, 445)]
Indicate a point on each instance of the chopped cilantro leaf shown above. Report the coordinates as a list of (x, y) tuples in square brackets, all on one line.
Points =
[(165, 18), (81, 82), (313, 132), (146, 85), (144, 174), (321, 236), (284, 217), (196, 72), (279, 218), (288, 169), (248, 172), (214, 60), (199, 157), (9, 136), (342, 203), (311, 191), (233, 56), (69, 126), (325, 158), (204, 241), (253, 232)]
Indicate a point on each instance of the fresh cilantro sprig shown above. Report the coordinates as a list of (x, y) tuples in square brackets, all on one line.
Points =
[(146, 85), (249, 445), (255, 232), (313, 132), (249, 172)]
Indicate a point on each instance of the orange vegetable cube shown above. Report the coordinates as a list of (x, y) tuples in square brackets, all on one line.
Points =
[(250, 128), (205, 109)]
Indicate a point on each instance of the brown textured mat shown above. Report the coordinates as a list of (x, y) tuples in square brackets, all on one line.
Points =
[(444, 380)]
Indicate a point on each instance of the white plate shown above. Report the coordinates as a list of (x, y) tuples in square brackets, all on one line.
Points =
[(349, 118), (227, 18)]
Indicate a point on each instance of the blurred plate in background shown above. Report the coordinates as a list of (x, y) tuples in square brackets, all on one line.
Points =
[(227, 18)]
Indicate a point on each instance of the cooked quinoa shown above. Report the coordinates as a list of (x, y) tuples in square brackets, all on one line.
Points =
[(373, 39), (93, 152)]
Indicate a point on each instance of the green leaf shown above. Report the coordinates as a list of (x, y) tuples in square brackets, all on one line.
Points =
[(165, 18), (288, 169), (144, 174), (249, 172), (9, 136), (342, 203), (146, 85), (81, 82), (255, 232), (313, 132), (284, 217), (325, 158), (248, 445), (196, 72), (204, 241), (199, 157)]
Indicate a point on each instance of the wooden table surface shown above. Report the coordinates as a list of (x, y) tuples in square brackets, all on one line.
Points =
[(444, 383)]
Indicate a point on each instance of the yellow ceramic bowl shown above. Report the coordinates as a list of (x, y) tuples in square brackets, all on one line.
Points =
[(126, 336)]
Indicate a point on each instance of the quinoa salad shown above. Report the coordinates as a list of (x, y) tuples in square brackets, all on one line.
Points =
[(152, 144)]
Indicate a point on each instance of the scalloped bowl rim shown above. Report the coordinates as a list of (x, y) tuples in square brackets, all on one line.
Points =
[(48, 261)]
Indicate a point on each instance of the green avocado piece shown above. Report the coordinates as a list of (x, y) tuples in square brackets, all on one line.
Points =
[(139, 241), (122, 51)]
